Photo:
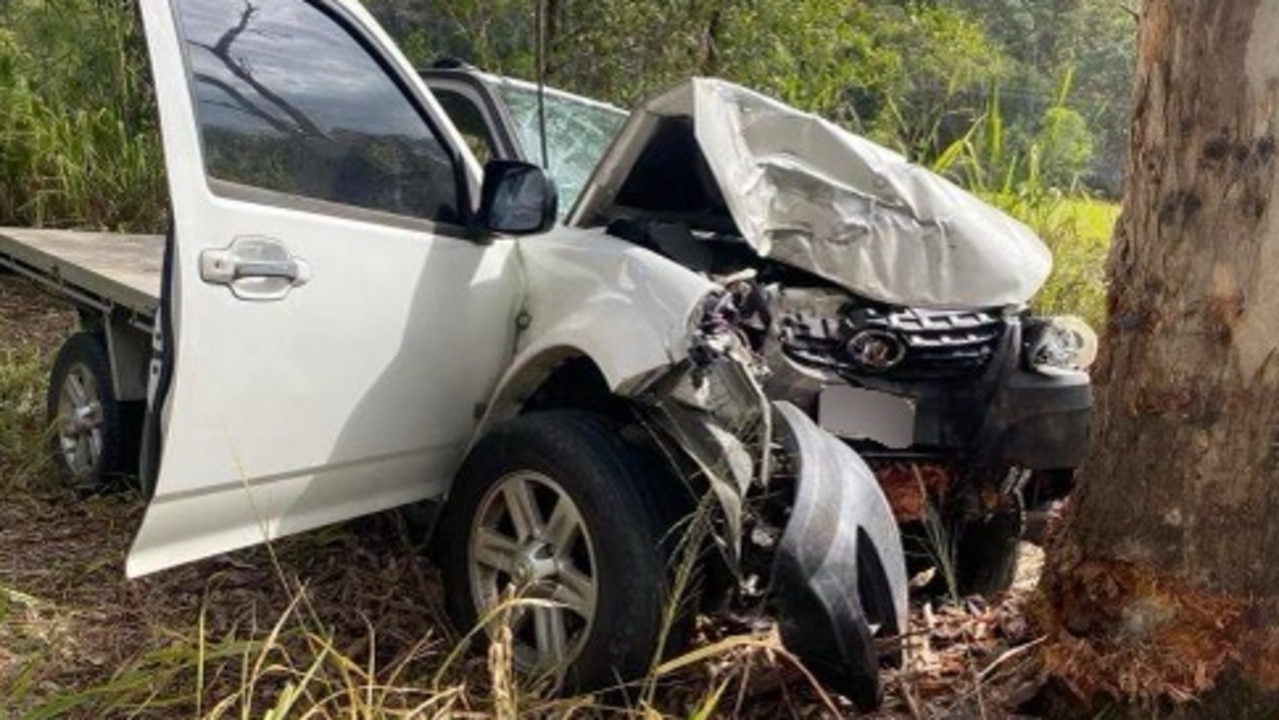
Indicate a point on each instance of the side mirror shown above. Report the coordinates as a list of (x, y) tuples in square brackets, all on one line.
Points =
[(517, 198)]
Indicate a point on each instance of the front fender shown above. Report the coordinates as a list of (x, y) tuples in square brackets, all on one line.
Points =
[(591, 295)]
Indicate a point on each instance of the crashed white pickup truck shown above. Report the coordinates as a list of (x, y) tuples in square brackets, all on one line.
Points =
[(353, 317), (888, 304)]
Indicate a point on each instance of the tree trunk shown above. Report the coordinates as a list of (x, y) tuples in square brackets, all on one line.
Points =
[(1164, 582)]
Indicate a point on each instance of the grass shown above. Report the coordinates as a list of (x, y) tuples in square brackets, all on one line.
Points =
[(23, 430), (304, 659), (1077, 230), (30, 328)]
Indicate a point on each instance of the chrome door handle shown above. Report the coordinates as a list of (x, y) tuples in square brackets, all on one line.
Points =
[(286, 269), (254, 267)]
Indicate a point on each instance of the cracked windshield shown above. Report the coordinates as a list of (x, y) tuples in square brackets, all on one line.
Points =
[(577, 134)]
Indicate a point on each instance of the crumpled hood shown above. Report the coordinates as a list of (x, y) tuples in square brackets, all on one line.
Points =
[(805, 192)]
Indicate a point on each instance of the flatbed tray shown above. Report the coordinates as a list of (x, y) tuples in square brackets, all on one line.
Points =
[(106, 270)]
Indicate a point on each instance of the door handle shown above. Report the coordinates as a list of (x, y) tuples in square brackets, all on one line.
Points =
[(254, 267), (284, 269)]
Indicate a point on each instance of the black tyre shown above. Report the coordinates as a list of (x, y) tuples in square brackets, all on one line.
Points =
[(90, 441), (986, 553), (558, 505)]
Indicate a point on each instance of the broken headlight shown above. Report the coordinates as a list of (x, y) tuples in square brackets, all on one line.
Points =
[(1056, 344)]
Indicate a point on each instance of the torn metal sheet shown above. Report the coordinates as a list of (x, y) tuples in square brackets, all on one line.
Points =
[(719, 418)]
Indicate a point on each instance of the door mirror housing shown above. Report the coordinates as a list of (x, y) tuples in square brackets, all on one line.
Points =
[(517, 198)]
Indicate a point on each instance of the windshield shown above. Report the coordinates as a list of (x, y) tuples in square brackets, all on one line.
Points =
[(577, 134)]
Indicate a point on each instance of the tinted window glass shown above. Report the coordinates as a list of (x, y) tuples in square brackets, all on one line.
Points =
[(289, 101)]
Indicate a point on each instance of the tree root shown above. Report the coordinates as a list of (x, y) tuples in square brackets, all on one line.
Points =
[(1120, 633)]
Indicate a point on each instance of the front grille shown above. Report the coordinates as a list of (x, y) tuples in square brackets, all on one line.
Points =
[(938, 344), (944, 344)]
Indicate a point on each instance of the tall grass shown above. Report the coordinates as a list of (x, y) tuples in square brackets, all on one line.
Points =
[(78, 139), (1077, 230), (300, 666)]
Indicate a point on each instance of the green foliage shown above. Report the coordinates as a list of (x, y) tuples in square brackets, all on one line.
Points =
[(1064, 145), (1077, 231), (993, 159), (1045, 39), (930, 92), (1011, 97), (78, 140)]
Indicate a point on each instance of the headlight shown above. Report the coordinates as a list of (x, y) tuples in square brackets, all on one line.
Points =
[(1054, 344)]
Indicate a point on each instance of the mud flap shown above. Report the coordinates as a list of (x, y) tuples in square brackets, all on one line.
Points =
[(839, 575)]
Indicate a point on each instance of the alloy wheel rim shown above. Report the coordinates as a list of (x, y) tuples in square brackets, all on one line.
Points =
[(80, 421), (529, 541)]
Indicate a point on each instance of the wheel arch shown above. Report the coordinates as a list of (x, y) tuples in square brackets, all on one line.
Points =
[(565, 375), (568, 377)]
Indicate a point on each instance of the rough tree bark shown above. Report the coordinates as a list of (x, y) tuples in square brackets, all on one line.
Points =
[(1164, 582)]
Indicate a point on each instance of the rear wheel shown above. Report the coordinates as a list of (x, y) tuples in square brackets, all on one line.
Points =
[(551, 508), (91, 430)]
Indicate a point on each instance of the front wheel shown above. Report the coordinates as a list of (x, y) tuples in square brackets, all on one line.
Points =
[(551, 508)]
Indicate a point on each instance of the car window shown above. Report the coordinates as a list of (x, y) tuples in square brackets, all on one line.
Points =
[(469, 120), (577, 134), (289, 101)]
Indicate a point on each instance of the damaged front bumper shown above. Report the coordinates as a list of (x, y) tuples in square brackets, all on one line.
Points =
[(838, 576)]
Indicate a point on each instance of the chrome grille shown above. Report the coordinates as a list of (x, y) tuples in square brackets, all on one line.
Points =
[(939, 344), (942, 344)]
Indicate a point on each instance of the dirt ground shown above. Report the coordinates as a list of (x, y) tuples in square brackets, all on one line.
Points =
[(78, 639)]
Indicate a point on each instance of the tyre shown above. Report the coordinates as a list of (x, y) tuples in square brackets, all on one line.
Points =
[(986, 553), (555, 507), (90, 443)]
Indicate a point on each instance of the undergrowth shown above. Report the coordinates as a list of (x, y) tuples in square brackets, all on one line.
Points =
[(23, 430), (302, 660)]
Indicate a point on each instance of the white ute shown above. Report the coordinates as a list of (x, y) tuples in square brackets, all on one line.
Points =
[(354, 316)]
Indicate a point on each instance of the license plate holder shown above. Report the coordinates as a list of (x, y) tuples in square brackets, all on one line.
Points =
[(856, 413)]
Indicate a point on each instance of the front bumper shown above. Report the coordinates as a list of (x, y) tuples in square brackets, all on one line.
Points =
[(1007, 415), (838, 573), (1038, 421)]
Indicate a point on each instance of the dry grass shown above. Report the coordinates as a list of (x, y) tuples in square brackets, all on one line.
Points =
[(346, 622)]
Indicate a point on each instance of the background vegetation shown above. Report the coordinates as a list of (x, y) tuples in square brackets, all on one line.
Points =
[(79, 144), (1023, 101)]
